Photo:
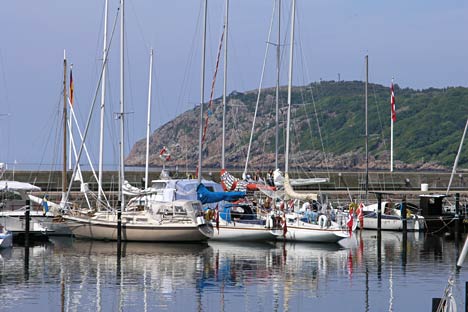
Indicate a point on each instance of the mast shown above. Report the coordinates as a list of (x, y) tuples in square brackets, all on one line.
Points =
[(226, 19), (278, 51), (367, 133), (291, 58), (392, 99), (202, 93), (64, 168), (455, 164), (121, 141), (148, 127), (103, 95)]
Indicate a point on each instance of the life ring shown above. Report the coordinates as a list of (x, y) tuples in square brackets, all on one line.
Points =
[(322, 221), (164, 154)]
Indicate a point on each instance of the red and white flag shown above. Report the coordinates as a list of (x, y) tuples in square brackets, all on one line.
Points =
[(392, 102)]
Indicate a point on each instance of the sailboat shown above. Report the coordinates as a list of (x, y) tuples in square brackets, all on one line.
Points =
[(296, 228), (236, 218), (180, 220)]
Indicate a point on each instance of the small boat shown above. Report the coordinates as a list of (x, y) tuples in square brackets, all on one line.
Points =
[(391, 219), (177, 221), (6, 238)]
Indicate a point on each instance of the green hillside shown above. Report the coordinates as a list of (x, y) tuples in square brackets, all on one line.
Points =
[(328, 122)]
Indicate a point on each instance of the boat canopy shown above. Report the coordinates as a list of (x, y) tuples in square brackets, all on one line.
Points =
[(207, 197), (17, 186)]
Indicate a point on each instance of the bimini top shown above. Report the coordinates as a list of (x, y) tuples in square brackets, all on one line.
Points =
[(17, 186)]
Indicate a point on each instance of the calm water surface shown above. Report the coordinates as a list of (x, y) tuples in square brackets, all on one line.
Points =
[(75, 275)]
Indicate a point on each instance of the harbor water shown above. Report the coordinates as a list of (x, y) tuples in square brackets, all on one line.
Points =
[(362, 273)]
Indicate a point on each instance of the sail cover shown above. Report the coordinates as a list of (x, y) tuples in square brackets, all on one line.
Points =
[(17, 186), (208, 197)]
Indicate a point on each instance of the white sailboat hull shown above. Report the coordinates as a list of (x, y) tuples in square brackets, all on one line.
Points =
[(107, 230), (311, 233), (394, 224), (46, 224), (17, 224), (242, 232)]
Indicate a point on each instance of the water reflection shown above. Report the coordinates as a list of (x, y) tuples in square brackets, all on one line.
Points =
[(363, 272)]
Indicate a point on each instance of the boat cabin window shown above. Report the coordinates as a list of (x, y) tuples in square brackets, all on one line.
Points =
[(159, 185), (11, 195), (179, 210), (196, 206), (141, 220)]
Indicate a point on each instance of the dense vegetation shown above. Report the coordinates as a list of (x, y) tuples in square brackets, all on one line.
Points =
[(329, 118)]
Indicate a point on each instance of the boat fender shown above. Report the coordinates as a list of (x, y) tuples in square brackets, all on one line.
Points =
[(322, 221), (268, 222), (200, 220), (416, 224)]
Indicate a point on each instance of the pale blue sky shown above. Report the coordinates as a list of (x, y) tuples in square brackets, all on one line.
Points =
[(421, 43)]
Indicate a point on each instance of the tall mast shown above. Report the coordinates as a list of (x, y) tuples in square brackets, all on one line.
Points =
[(367, 131), (291, 58), (226, 20), (121, 142), (455, 164), (103, 95), (202, 93), (64, 168), (148, 127), (392, 103), (278, 51)]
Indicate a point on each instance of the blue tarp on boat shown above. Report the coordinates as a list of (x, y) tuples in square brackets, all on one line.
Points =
[(206, 196)]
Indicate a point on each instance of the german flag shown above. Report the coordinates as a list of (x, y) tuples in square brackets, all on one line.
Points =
[(71, 86)]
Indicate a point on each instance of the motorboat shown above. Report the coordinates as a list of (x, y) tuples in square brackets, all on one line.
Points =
[(391, 218)]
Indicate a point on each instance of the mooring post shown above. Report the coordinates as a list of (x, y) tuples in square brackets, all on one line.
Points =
[(403, 216), (26, 225), (119, 224), (466, 296), (379, 212), (457, 217), (435, 304)]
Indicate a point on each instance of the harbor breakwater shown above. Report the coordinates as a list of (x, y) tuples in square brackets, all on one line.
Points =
[(340, 183)]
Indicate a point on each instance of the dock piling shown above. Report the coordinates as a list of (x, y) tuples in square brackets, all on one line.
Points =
[(27, 220), (379, 212)]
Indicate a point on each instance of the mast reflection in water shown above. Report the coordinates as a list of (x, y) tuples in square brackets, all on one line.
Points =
[(360, 274)]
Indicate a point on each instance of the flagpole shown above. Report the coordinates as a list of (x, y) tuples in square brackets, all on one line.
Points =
[(148, 122), (70, 131), (103, 102), (392, 103), (65, 121), (367, 133)]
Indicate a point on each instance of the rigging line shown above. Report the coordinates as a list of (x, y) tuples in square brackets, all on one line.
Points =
[(213, 82), (184, 85), (259, 89), (140, 29), (306, 72), (378, 114), (129, 122), (88, 122)]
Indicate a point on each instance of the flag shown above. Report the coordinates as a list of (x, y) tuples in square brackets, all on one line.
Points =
[(350, 223), (360, 215), (45, 205), (71, 86), (392, 102), (285, 225)]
